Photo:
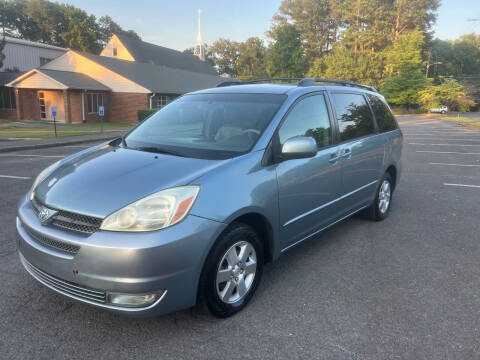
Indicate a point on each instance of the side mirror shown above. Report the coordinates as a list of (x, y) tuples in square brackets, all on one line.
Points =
[(299, 147)]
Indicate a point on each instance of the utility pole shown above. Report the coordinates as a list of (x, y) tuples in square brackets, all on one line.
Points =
[(430, 64)]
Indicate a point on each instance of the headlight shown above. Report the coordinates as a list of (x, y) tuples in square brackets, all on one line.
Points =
[(42, 176), (157, 211)]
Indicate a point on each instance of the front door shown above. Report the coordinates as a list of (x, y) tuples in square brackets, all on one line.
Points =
[(308, 188), (43, 107)]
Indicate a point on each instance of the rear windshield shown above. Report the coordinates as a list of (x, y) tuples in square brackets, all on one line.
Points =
[(207, 125)]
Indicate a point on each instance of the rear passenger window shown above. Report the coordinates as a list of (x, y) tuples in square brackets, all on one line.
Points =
[(353, 115), (309, 117), (383, 115)]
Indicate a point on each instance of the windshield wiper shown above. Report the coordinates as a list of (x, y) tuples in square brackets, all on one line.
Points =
[(158, 150)]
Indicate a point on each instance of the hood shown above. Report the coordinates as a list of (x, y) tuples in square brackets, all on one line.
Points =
[(105, 179)]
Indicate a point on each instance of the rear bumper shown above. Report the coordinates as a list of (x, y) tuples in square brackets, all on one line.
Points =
[(167, 263)]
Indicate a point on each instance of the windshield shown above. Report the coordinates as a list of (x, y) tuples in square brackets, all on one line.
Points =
[(216, 126)]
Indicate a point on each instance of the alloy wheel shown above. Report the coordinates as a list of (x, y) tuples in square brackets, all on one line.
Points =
[(384, 196), (236, 272)]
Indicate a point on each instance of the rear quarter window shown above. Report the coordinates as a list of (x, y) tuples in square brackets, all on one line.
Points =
[(383, 115), (353, 115)]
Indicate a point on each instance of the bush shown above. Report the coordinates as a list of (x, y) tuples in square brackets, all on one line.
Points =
[(143, 114), (450, 92)]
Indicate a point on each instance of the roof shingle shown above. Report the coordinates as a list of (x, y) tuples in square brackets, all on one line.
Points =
[(157, 79), (74, 80), (159, 55)]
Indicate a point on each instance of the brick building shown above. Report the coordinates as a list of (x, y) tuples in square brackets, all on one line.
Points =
[(127, 76)]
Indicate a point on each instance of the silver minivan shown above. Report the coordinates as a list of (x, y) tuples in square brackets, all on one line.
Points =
[(188, 206)]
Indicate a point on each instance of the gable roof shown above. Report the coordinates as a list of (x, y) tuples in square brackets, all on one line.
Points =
[(158, 79), (61, 80), (74, 80), (158, 55)]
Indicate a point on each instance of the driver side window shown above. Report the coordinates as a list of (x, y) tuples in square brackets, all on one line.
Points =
[(309, 117)]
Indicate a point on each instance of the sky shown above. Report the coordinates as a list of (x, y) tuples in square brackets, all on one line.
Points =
[(174, 23)]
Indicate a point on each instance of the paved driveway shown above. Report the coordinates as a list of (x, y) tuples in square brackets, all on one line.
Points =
[(406, 288)]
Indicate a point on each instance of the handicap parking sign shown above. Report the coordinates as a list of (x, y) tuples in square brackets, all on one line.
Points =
[(101, 110), (54, 111)]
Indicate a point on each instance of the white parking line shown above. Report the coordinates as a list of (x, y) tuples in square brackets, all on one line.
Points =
[(444, 144), (462, 185), (446, 152), (428, 132), (29, 155), (434, 163), (14, 177), (443, 139)]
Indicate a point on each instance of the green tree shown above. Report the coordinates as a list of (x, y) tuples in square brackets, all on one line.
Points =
[(81, 31), (251, 59), (450, 92), (58, 24), (405, 64), (108, 27), (209, 56), (285, 57), (315, 22), (225, 53), (366, 68)]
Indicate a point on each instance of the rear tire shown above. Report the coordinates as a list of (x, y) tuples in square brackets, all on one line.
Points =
[(232, 271), (380, 207)]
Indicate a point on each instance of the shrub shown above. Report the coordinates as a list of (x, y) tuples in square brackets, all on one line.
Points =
[(143, 114)]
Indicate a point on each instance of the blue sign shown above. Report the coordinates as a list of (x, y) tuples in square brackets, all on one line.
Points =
[(101, 110), (54, 111)]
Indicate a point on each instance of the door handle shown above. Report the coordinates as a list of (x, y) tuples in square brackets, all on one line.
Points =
[(347, 153), (333, 158)]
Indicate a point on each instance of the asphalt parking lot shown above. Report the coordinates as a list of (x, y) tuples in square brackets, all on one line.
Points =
[(405, 288)]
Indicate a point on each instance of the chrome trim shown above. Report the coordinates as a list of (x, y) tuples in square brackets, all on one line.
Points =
[(29, 268), (329, 203), (325, 227)]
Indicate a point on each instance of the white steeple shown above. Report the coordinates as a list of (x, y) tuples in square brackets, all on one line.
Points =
[(200, 47)]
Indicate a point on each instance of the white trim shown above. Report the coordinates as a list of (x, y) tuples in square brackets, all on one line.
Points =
[(329, 203), (83, 106), (30, 73), (9, 39)]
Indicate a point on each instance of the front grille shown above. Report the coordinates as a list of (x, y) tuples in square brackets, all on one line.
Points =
[(51, 243), (66, 287), (71, 221)]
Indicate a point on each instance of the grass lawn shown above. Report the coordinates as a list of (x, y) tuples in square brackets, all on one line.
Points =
[(38, 130), (471, 122)]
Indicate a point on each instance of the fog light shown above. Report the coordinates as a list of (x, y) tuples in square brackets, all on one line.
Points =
[(131, 300)]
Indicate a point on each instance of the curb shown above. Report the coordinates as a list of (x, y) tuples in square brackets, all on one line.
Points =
[(55, 144)]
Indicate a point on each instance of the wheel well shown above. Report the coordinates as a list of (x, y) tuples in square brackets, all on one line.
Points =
[(263, 228), (392, 170)]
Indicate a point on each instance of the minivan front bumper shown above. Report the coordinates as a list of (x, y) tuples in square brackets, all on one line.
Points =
[(165, 264)]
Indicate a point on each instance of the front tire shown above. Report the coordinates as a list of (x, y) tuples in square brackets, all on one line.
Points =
[(232, 271), (380, 207)]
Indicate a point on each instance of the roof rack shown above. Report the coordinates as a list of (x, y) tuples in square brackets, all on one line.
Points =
[(301, 82), (258, 81), (312, 81)]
